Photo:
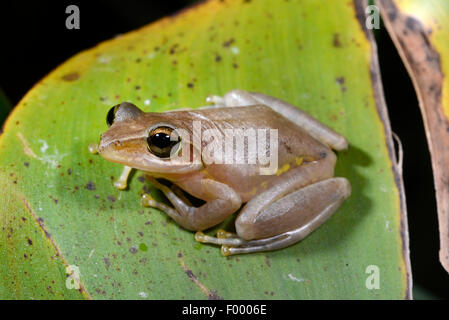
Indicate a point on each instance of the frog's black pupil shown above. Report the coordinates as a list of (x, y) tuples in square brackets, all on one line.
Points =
[(161, 140), (110, 117)]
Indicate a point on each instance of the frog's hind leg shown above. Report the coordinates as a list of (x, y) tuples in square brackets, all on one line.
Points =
[(321, 132), (234, 98), (270, 225)]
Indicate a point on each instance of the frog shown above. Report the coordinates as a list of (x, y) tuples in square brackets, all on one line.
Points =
[(275, 209)]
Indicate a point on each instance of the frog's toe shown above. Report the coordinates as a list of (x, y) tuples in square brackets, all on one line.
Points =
[(225, 250), (93, 148), (217, 100), (223, 238), (200, 236), (223, 234), (147, 200), (121, 185)]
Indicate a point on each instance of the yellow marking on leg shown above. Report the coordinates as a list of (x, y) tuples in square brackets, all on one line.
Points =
[(253, 191), (207, 174), (282, 170), (223, 234)]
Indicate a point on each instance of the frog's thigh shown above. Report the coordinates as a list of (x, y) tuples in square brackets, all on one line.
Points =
[(297, 213)]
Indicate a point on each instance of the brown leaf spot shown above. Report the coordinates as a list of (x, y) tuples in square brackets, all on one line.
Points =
[(90, 186), (71, 76), (107, 262), (227, 43), (341, 82), (336, 40)]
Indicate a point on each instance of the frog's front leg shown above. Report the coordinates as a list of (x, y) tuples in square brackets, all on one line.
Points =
[(221, 201), (122, 181)]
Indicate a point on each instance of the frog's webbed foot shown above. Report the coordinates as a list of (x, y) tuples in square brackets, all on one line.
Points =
[(148, 201), (223, 238), (232, 244)]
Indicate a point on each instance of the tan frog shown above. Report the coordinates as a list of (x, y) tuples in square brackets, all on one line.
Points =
[(280, 207)]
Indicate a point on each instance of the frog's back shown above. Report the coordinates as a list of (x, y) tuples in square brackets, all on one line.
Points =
[(294, 146), (292, 139)]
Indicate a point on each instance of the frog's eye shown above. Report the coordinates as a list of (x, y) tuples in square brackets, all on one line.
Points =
[(122, 111), (111, 115), (163, 141)]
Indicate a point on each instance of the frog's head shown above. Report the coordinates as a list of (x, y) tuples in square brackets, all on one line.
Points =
[(146, 141)]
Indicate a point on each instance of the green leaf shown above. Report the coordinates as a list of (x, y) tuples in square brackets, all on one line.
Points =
[(309, 53)]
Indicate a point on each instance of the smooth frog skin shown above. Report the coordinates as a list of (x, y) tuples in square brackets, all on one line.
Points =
[(280, 207)]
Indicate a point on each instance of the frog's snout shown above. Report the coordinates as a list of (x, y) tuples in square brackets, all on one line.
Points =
[(106, 144), (101, 144), (118, 149), (106, 150)]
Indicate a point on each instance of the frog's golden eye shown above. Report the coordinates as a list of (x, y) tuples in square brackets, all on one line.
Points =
[(163, 141)]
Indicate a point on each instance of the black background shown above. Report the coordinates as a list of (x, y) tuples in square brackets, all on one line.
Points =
[(35, 41)]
